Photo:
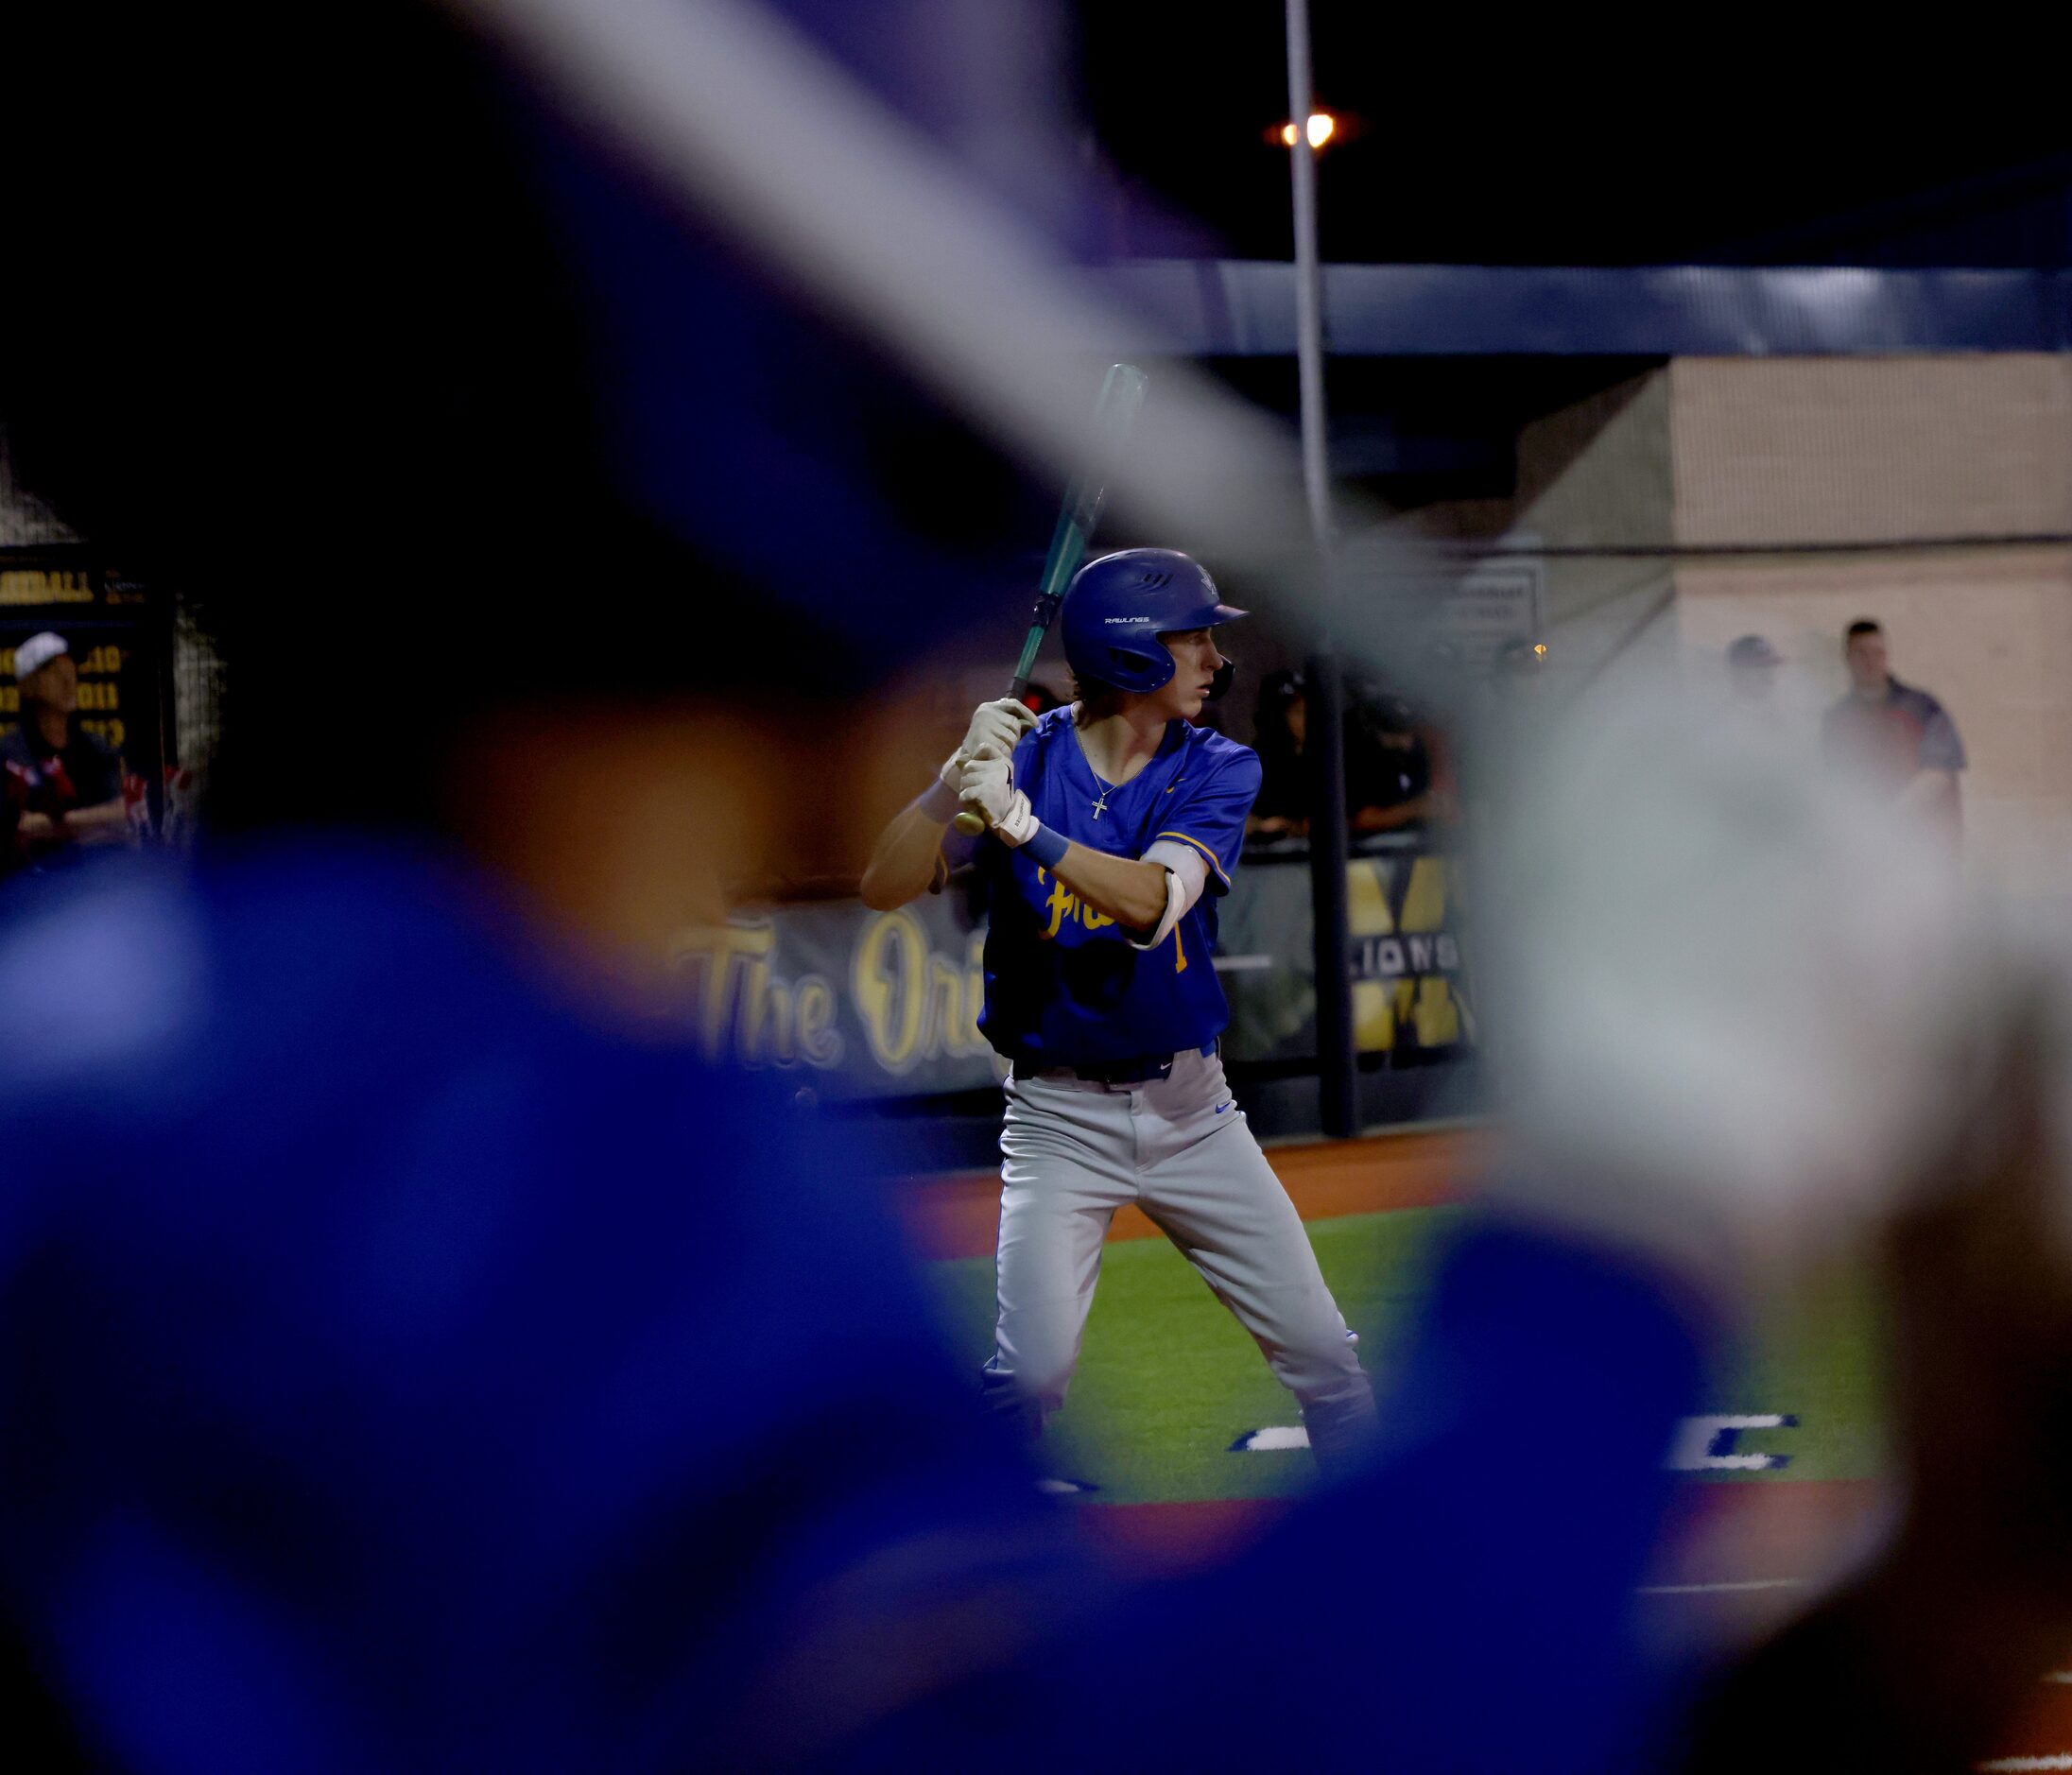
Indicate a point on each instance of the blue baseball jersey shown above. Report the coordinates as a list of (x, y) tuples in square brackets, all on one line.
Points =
[(1065, 986)]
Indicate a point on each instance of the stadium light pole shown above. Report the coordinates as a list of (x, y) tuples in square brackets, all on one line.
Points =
[(1338, 1068)]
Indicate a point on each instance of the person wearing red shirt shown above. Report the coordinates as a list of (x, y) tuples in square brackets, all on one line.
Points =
[(1894, 732), (64, 785)]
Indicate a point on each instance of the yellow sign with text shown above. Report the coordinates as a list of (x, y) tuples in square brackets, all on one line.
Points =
[(909, 1001)]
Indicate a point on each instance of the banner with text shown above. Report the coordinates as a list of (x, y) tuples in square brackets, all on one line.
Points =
[(885, 1003)]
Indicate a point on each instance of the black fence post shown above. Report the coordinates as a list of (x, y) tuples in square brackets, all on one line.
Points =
[(1338, 1066)]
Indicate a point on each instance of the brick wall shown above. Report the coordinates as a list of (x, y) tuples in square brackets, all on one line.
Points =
[(1879, 452)]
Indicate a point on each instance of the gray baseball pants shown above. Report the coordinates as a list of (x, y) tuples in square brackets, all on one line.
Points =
[(1073, 1152)]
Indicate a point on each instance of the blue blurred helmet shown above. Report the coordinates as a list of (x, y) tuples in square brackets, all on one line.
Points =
[(1117, 608)]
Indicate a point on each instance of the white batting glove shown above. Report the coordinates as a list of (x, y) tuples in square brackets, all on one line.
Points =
[(987, 783), (997, 727)]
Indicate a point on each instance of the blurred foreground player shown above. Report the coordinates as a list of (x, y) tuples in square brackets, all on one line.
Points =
[(378, 1257), (1931, 1655), (1115, 826), (411, 1358)]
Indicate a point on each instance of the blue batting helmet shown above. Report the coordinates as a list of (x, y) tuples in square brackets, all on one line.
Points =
[(1117, 608)]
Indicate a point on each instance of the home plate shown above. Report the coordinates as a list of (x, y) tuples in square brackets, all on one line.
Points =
[(1065, 1488), (1268, 1441)]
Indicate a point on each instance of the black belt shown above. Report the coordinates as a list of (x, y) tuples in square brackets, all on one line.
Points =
[(1139, 1070)]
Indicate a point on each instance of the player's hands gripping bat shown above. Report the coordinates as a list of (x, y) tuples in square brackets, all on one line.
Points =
[(988, 786), (995, 727), (1114, 412)]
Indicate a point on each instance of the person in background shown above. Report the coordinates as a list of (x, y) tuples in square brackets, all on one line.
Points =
[(1752, 669), (1280, 728), (1396, 775), (1894, 733), (66, 782), (13, 794), (1405, 773)]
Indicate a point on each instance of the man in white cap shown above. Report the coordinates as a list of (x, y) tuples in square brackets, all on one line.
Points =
[(66, 782)]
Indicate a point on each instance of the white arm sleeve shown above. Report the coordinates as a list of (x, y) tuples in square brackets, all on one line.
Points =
[(1187, 875)]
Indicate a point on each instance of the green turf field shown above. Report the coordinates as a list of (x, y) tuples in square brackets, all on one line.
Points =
[(1167, 1381)]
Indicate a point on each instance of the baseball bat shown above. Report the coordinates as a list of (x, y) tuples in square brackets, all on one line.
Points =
[(1114, 412)]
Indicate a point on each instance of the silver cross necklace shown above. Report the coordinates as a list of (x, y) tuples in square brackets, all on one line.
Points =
[(1101, 801)]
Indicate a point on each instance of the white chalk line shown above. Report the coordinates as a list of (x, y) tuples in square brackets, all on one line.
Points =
[(2062, 1759)]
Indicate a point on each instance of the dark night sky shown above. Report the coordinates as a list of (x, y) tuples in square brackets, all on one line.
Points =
[(1469, 145)]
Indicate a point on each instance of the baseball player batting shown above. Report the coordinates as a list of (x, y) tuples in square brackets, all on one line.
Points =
[(1114, 827)]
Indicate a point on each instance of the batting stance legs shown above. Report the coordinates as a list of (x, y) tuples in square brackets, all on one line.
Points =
[(1179, 1148)]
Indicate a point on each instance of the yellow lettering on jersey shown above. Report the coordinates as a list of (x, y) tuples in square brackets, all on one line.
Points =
[(1061, 904)]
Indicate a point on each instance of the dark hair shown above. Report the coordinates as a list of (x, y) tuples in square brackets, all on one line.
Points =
[(1862, 626), (1095, 697)]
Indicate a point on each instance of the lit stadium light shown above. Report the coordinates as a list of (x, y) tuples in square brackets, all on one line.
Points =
[(1322, 125)]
